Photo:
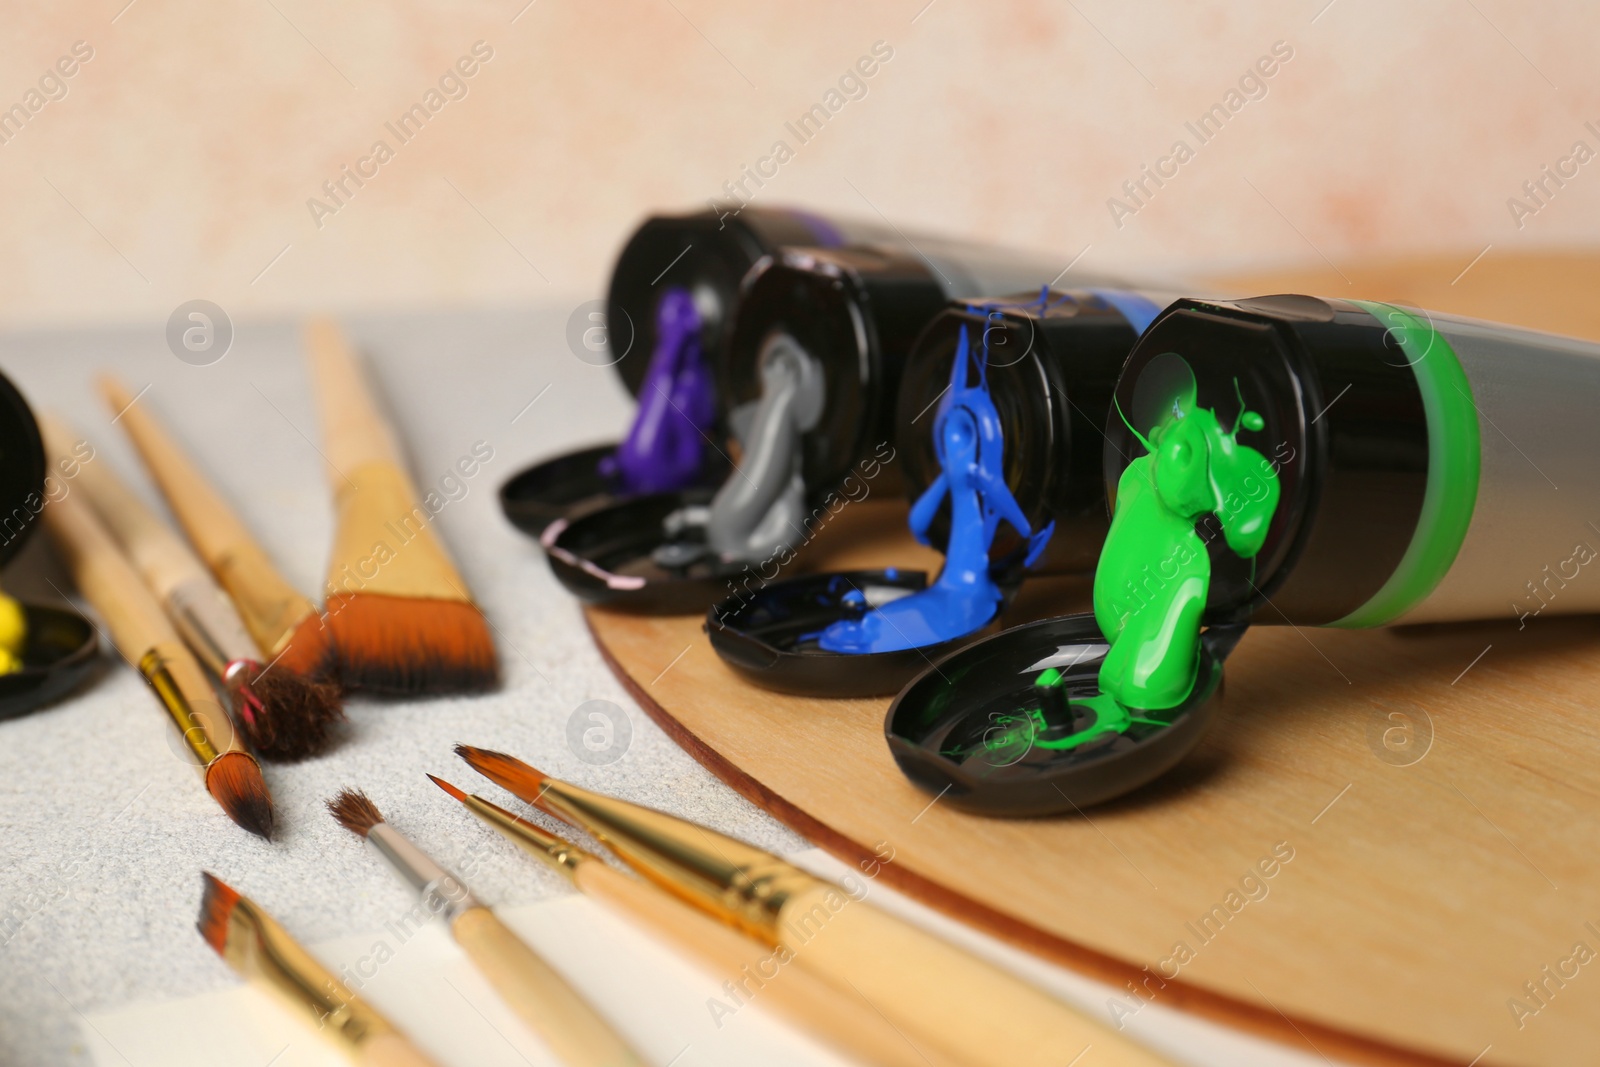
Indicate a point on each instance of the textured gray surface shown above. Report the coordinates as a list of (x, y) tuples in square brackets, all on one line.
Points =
[(104, 826)]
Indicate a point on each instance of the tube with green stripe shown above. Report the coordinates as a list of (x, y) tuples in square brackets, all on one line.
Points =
[(1277, 460)]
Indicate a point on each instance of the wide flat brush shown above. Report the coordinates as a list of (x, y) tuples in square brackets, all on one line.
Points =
[(262, 952), (752, 971), (146, 639), (577, 1034), (402, 619), (284, 715), (972, 1010), (287, 628)]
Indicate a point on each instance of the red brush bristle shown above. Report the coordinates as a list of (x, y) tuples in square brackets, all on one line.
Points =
[(216, 909), (411, 646), (235, 780), (447, 787), (507, 772), (309, 652)]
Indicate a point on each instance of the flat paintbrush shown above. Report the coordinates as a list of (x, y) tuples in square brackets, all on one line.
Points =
[(402, 620), (972, 1010), (146, 639), (287, 628), (284, 715), (751, 970), (262, 952), (541, 997)]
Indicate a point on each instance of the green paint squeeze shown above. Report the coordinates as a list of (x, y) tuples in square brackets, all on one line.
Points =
[(1151, 583)]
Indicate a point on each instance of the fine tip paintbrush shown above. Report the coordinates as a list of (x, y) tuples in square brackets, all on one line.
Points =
[(402, 619), (284, 715), (145, 638), (750, 969), (540, 996), (262, 952), (286, 627), (975, 1012)]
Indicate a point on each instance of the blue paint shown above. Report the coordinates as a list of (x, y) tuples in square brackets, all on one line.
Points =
[(964, 598), (666, 444), (1139, 310)]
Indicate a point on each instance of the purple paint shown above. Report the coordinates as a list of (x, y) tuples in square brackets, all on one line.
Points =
[(666, 444)]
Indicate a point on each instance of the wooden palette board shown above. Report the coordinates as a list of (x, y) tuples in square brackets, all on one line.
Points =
[(1437, 790)]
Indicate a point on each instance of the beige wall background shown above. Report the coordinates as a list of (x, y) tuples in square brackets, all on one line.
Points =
[(180, 159)]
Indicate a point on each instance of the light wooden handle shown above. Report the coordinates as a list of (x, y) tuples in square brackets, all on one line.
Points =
[(354, 434), (541, 997), (971, 1009), (767, 976), (392, 1050), (269, 605), (156, 551)]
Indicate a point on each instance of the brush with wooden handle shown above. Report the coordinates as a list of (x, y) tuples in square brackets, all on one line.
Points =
[(283, 715), (145, 638), (402, 619), (262, 952), (752, 970), (577, 1034), (286, 627), (974, 1011)]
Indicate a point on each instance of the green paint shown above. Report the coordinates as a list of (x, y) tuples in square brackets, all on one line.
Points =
[(1151, 582), (1454, 458)]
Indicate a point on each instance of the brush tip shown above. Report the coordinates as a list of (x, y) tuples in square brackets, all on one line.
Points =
[(508, 772), (354, 811), (216, 908), (284, 716), (447, 787), (411, 646), (234, 779)]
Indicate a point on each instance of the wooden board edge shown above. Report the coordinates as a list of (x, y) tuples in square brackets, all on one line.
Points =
[(1185, 996)]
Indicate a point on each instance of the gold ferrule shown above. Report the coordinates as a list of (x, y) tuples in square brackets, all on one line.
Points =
[(191, 724), (263, 951), (741, 885), (542, 845)]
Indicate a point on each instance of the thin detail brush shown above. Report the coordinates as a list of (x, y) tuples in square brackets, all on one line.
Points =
[(814, 1006), (402, 619), (287, 628), (972, 1010), (543, 999), (263, 953), (283, 715), (145, 639)]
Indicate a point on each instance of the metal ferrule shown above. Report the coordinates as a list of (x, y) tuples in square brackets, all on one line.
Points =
[(539, 843), (442, 892), (261, 950), (191, 724), (210, 625), (741, 885)]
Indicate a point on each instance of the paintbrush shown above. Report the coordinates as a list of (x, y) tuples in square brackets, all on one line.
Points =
[(286, 627), (541, 997), (145, 638), (283, 715), (262, 952), (751, 970), (402, 619), (972, 1010)]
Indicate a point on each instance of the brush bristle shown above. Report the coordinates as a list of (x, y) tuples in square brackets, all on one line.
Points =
[(507, 772), (355, 811), (235, 780), (309, 652), (447, 787), (290, 717), (411, 646), (216, 909)]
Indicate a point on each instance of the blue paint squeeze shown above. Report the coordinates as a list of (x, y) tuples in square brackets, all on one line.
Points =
[(964, 598)]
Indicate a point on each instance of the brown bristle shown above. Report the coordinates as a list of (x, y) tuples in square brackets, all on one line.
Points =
[(447, 787), (411, 646), (309, 652), (354, 811), (291, 716), (216, 908), (235, 780), (507, 772)]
